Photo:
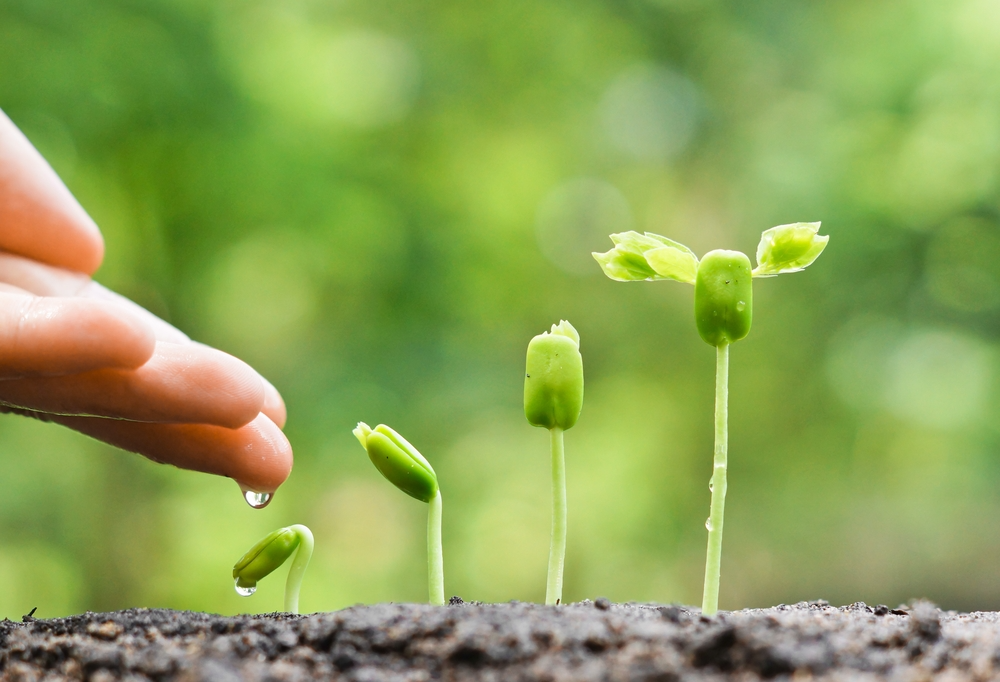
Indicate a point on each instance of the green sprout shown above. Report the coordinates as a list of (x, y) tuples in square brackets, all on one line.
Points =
[(553, 398), (404, 467), (723, 307), (271, 552)]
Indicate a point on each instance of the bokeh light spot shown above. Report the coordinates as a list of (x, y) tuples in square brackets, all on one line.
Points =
[(939, 378), (650, 112)]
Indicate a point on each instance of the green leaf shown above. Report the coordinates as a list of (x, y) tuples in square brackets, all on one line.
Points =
[(788, 248), (672, 263), (647, 257)]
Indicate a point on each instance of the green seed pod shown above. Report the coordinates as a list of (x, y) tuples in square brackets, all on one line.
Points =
[(265, 557), (723, 297), (398, 461), (553, 382)]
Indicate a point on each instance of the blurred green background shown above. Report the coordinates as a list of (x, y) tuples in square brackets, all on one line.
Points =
[(378, 204)]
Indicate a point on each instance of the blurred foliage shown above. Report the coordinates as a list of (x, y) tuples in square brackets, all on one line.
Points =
[(378, 205)]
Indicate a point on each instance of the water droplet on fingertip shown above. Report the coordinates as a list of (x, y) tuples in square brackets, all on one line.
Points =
[(244, 591), (257, 500)]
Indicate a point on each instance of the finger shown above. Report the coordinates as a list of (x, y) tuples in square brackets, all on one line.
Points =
[(257, 456), (164, 330), (180, 383), (274, 405), (49, 336), (40, 218), (46, 280)]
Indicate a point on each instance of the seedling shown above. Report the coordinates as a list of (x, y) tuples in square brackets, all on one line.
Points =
[(271, 552), (723, 303), (553, 398), (407, 469)]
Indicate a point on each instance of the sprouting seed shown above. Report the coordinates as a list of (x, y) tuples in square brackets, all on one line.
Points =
[(553, 399), (723, 307), (404, 467), (271, 552)]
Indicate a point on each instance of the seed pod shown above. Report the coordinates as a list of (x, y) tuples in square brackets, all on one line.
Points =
[(265, 557), (553, 382), (401, 463), (723, 297)]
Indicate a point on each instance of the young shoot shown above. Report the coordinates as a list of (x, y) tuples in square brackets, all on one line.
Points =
[(404, 467), (553, 398), (271, 552), (723, 307)]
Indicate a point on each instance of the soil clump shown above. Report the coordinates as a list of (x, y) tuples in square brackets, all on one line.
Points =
[(513, 642)]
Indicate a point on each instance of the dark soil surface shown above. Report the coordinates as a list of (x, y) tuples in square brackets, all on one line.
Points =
[(510, 642)]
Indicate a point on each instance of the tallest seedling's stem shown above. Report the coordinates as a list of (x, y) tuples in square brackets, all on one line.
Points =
[(713, 559), (557, 546)]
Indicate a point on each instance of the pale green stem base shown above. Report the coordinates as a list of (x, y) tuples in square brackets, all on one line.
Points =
[(435, 556), (713, 560), (303, 554), (557, 546)]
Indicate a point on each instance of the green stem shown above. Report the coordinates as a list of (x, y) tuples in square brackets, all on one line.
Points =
[(435, 556), (713, 560), (303, 553), (557, 546)]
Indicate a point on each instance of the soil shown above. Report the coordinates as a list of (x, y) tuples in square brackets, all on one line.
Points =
[(510, 642)]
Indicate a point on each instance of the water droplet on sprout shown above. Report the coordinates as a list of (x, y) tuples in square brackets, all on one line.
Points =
[(741, 305), (711, 486), (257, 500), (708, 525), (244, 591)]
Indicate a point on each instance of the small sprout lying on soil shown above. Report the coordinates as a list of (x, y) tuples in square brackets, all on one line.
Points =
[(407, 469), (723, 306), (553, 398), (271, 552)]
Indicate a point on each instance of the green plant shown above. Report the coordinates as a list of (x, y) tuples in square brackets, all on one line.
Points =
[(271, 552), (553, 398), (723, 306), (404, 467)]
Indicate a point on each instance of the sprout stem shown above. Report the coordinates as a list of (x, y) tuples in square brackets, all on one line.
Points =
[(557, 546), (713, 560), (435, 556), (302, 556)]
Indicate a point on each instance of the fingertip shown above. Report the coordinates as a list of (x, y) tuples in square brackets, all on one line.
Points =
[(274, 404), (265, 469)]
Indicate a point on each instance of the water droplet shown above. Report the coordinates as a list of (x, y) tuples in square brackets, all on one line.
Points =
[(711, 486), (244, 591), (741, 305), (708, 525), (257, 500)]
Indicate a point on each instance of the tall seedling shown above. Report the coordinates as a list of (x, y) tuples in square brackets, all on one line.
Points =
[(723, 307)]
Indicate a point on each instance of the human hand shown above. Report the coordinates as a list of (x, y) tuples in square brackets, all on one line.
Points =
[(77, 354)]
